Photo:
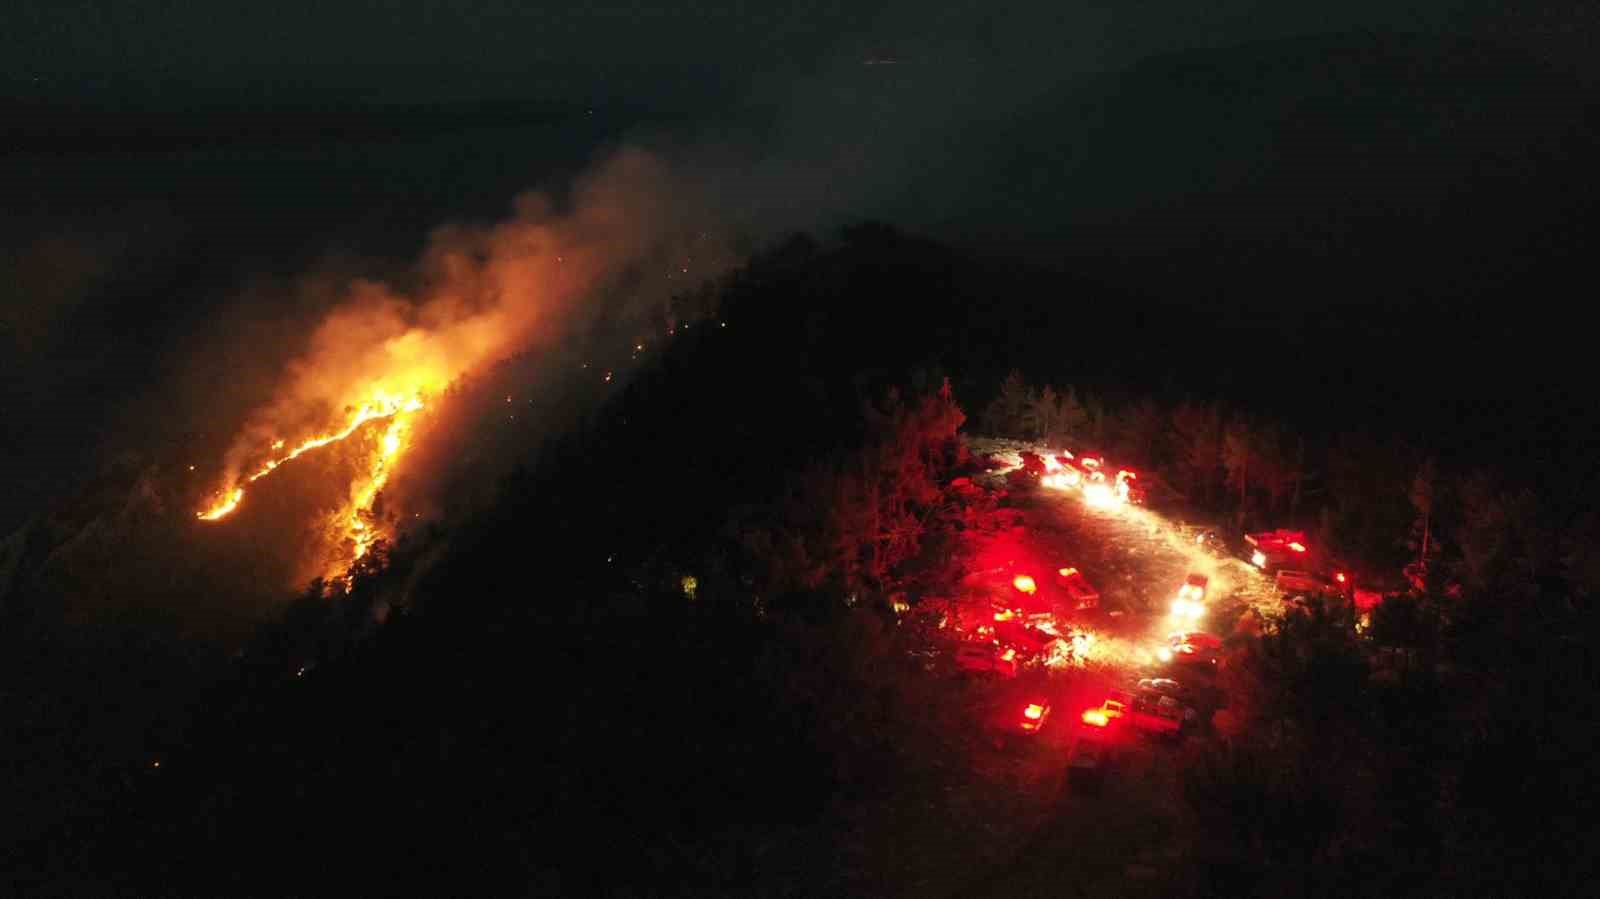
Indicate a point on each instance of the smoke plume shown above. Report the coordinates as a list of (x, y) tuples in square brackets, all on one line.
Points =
[(615, 246)]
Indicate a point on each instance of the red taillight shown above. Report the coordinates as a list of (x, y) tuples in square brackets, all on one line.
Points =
[(1033, 712), (1095, 718)]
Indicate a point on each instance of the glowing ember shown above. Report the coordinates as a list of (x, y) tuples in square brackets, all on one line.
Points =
[(1024, 583)]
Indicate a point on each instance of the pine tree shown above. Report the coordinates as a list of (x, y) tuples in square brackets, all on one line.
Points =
[(1005, 416)]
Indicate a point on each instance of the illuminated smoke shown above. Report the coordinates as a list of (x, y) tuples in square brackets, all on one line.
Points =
[(477, 295)]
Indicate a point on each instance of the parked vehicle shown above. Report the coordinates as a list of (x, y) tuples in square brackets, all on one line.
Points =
[(1028, 642), (1081, 594), (1292, 581), (986, 658), (1158, 715), (1164, 686), (1092, 757), (1272, 550), (1191, 648), (1190, 602), (1023, 603), (1034, 715)]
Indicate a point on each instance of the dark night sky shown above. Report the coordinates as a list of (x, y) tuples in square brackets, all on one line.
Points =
[(66, 35), (109, 261)]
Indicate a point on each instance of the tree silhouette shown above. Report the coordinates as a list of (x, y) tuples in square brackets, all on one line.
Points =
[(1198, 431), (1241, 460), (1008, 413)]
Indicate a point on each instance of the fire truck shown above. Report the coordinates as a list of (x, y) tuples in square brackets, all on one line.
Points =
[(1272, 550)]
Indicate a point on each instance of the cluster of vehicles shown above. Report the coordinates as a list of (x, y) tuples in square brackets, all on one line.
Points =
[(1027, 626), (1298, 569), (1163, 704), (1160, 708), (1088, 473)]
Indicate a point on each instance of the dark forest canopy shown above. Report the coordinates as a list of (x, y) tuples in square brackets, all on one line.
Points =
[(497, 697)]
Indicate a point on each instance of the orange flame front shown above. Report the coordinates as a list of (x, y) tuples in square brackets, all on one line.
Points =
[(360, 529), (382, 405)]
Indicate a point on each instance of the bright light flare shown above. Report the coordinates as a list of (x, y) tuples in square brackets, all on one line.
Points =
[(1034, 711), (1025, 584), (1187, 610), (1164, 654), (1258, 559), (1095, 718), (1099, 495)]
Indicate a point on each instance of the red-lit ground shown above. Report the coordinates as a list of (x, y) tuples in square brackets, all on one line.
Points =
[(1002, 820)]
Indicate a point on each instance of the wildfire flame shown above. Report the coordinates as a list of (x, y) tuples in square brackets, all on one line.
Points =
[(359, 528), (477, 295), (382, 405), (224, 504)]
